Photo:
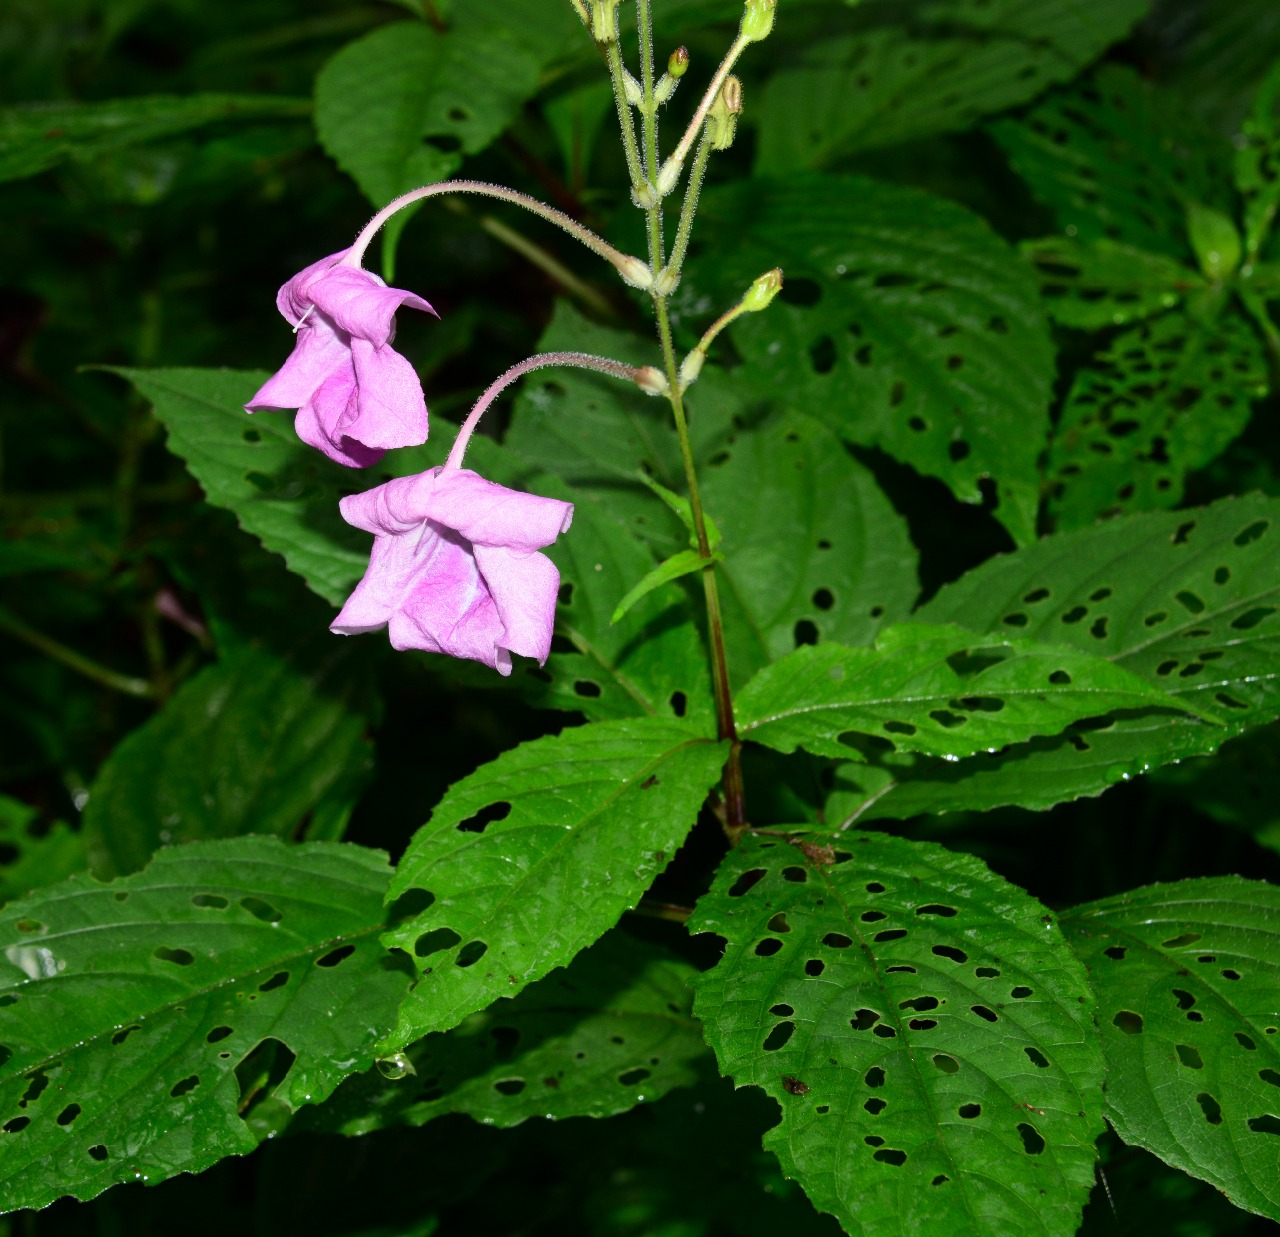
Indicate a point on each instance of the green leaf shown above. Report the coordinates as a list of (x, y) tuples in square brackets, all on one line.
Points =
[(383, 98), (815, 549), (1097, 284), (38, 136), (1188, 600), (611, 1031), (682, 564), (1186, 976), (1214, 240), (905, 323), (938, 690), (251, 744), (892, 73), (1115, 159), (132, 1005), (1257, 165), (683, 509), (535, 855), (923, 1027), (34, 857), (1165, 398)]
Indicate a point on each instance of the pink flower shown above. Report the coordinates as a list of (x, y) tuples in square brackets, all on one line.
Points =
[(455, 567), (356, 396)]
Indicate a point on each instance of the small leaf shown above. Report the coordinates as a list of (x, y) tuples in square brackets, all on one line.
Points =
[(535, 855), (1186, 976), (1215, 240), (684, 510), (1257, 165), (611, 1031), (921, 1024), (939, 690), (37, 136), (682, 564), (34, 857), (131, 1007)]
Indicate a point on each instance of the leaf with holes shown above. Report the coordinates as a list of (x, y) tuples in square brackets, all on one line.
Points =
[(612, 1030), (923, 1026), (146, 1017), (1114, 159), (535, 855), (1164, 399), (1187, 977), (38, 136), (1097, 284), (890, 73), (844, 564), (31, 856), (1188, 600), (905, 323), (939, 690), (251, 744), (1257, 165)]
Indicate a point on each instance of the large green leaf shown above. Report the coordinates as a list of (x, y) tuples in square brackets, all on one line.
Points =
[(1165, 398), (131, 1006), (1114, 159), (923, 1026), (893, 72), (535, 855), (939, 690), (36, 136), (611, 1031), (252, 744), (815, 551), (906, 323), (30, 856), (1187, 977), (1188, 600)]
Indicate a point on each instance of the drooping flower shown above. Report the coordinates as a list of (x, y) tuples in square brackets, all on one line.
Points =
[(455, 567), (356, 396)]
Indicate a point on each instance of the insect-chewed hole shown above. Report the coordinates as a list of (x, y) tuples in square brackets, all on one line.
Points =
[(1269, 1075), (864, 1019), (957, 956), (1036, 1057), (1032, 1143), (805, 632), (872, 916), (837, 940), (509, 1086), (124, 1032), (920, 1003), (782, 1010), (778, 1036), (1189, 1056), (875, 1105), (947, 1064), (936, 908), (434, 941), (179, 957), (987, 1015), (768, 947), (1251, 533), (1020, 993), (1128, 1022), (779, 923), (1231, 975), (887, 1155), (986, 972), (278, 980), (210, 901), (814, 967), (98, 1152), (969, 1111), (261, 910), (69, 1114), (485, 817), (471, 953), (1210, 1107), (1184, 998), (216, 1034), (1115, 951), (940, 1179), (1266, 1124), (633, 1076), (795, 874), (874, 1077), (1177, 942), (890, 934), (187, 1085), (746, 881), (1245, 1042), (335, 956)]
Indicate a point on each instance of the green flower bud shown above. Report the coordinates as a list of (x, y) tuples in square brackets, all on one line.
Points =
[(691, 368), (678, 62), (761, 293), (1215, 240), (757, 20), (651, 381), (722, 119), (604, 20), (635, 272)]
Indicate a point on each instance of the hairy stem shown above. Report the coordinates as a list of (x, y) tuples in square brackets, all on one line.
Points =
[(681, 152), (689, 207), (626, 122)]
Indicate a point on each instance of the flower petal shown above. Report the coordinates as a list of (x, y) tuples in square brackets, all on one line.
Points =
[(319, 422), (489, 514), (360, 303), (294, 298), (524, 588), (390, 410), (317, 354)]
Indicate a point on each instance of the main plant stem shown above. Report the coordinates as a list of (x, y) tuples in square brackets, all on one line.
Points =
[(734, 802)]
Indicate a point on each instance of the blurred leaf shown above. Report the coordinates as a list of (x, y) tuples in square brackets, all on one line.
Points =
[(923, 1027), (1097, 284), (895, 72), (938, 690), (1186, 976), (1257, 165), (905, 323), (252, 744), (814, 548), (132, 1006), (1165, 398), (611, 1031), (1114, 159), (535, 855), (37, 136), (30, 857)]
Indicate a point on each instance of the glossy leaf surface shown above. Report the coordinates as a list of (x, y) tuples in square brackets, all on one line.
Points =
[(923, 1026)]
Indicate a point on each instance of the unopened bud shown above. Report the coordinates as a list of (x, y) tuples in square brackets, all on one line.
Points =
[(604, 20), (691, 368), (668, 177), (667, 282), (646, 197), (722, 119), (631, 88), (634, 272), (761, 293), (665, 88), (651, 381), (757, 20), (678, 62)]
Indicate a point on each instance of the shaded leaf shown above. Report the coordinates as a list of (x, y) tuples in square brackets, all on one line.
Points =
[(890, 73), (611, 1031), (939, 690), (905, 323), (37, 136), (252, 744), (923, 1027), (132, 1005), (535, 855), (1257, 166), (681, 564), (31, 857), (1164, 399), (1187, 976)]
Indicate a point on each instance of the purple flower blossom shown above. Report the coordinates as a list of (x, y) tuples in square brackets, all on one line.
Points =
[(455, 567), (356, 396)]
